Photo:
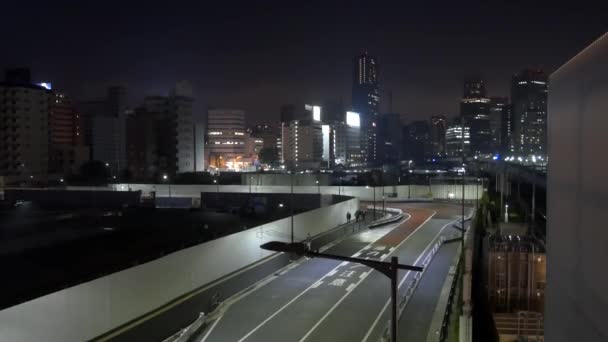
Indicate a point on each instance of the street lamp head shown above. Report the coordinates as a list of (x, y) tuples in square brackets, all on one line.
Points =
[(317, 182), (281, 205), (214, 181), (165, 177), (107, 164)]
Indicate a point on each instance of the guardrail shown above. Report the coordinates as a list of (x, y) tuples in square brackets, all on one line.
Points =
[(186, 333), (385, 337), (393, 215)]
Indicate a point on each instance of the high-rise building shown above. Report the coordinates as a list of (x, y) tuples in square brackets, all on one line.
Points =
[(390, 138), (143, 129), (474, 108), (498, 106), (366, 102), (529, 100), (24, 134), (438, 127), (180, 106), (417, 142), (226, 134), (454, 141), (302, 136), (67, 151), (173, 116), (105, 128)]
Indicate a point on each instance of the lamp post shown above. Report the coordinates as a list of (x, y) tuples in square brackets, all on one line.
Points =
[(166, 179), (382, 182), (318, 187), (389, 269), (291, 203)]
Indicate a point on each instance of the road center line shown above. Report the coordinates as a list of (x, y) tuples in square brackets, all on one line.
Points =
[(310, 287), (314, 327)]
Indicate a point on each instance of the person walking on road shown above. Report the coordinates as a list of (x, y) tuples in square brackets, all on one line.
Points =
[(348, 217)]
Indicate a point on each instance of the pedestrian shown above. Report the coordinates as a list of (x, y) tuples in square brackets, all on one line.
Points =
[(309, 242), (348, 217)]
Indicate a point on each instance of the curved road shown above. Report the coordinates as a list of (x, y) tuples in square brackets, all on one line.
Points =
[(326, 300)]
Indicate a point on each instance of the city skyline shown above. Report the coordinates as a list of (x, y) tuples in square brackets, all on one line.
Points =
[(423, 60)]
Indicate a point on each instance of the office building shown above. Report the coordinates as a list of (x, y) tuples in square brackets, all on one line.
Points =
[(438, 127), (417, 142), (498, 106), (226, 135), (475, 110), (105, 128), (176, 129), (24, 134), (390, 138), (366, 102), (302, 136), (455, 143), (302, 144), (143, 130), (529, 100)]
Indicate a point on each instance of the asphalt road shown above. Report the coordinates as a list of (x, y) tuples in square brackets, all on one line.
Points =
[(325, 300)]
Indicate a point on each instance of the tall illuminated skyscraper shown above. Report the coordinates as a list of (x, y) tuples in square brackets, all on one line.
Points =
[(366, 101), (529, 100), (475, 110)]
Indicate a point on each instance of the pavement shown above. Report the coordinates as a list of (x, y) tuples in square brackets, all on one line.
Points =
[(326, 300)]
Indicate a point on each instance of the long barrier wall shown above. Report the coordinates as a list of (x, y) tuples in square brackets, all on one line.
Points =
[(90, 309), (434, 191)]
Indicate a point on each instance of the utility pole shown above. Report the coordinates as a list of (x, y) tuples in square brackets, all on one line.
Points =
[(291, 205)]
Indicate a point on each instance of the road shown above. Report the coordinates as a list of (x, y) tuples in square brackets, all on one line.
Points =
[(326, 300)]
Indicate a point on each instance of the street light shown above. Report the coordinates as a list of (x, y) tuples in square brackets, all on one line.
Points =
[(165, 179), (318, 186), (389, 269)]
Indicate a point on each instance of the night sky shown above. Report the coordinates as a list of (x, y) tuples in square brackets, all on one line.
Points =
[(257, 57)]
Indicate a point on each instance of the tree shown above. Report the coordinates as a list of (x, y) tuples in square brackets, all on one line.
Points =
[(269, 156)]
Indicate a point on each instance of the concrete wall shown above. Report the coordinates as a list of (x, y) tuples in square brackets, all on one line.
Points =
[(361, 192), (577, 199), (90, 309)]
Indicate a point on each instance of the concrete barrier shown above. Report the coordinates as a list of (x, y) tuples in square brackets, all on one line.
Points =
[(90, 309), (399, 192)]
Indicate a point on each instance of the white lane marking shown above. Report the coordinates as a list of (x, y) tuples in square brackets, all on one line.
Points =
[(373, 326), (344, 263), (350, 287), (356, 254), (332, 272), (211, 328), (306, 290), (362, 275), (363, 278), (317, 284)]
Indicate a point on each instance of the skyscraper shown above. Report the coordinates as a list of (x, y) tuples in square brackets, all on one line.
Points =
[(529, 100), (474, 109), (498, 106), (438, 127), (366, 101), (454, 143)]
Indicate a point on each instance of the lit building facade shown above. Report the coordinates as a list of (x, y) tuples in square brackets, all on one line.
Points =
[(226, 135), (529, 100), (366, 102), (454, 140), (475, 110)]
